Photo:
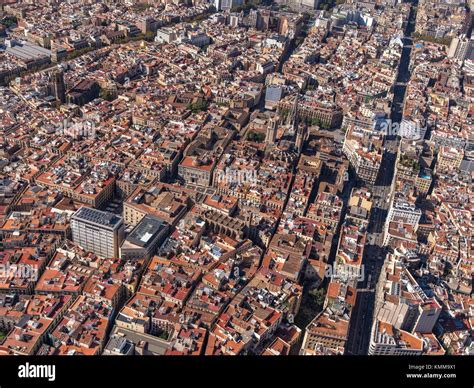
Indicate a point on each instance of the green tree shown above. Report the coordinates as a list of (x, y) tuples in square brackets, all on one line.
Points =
[(9, 21), (315, 121), (325, 126), (256, 136), (2, 335), (319, 295), (446, 41), (141, 6), (106, 95), (198, 106)]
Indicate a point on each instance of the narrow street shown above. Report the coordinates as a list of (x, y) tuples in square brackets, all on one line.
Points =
[(374, 254)]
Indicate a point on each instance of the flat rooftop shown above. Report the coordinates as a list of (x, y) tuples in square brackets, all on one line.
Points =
[(145, 232), (152, 344), (27, 51), (97, 217)]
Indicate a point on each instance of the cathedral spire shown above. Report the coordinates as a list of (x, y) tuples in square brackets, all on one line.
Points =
[(294, 114)]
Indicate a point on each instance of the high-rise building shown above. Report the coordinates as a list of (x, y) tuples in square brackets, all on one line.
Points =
[(97, 231), (426, 317), (461, 48), (400, 300), (253, 18), (227, 5)]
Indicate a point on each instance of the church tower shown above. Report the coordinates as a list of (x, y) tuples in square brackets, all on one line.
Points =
[(293, 118), (57, 85), (301, 133), (271, 131)]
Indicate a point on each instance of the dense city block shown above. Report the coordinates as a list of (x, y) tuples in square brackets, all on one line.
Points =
[(236, 177)]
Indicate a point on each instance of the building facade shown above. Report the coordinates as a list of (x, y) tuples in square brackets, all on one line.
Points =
[(97, 231)]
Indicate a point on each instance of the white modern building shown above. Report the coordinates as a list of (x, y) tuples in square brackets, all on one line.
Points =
[(461, 48)]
